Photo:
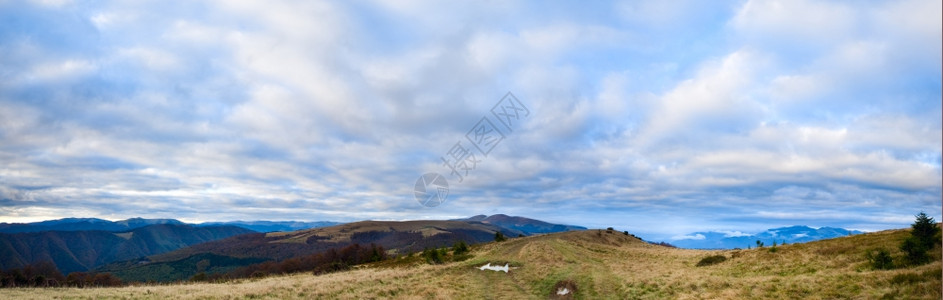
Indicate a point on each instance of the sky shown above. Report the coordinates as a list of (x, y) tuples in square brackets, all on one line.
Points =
[(656, 117)]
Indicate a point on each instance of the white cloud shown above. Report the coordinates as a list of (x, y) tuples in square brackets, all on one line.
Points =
[(53, 3), (799, 22), (689, 237), (239, 109), (60, 70), (720, 93), (150, 58), (734, 233)]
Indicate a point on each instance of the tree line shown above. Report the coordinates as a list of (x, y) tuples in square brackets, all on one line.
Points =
[(45, 274), (332, 260)]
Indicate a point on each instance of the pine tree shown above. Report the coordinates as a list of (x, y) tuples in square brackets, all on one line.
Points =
[(925, 230), (922, 239)]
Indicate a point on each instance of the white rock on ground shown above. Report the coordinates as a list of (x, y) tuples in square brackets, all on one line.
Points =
[(563, 291), (488, 266)]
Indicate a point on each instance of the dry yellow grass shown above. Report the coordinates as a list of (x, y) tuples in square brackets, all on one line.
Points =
[(601, 265)]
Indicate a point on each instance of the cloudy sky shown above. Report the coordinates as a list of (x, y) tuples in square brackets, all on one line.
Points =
[(657, 117)]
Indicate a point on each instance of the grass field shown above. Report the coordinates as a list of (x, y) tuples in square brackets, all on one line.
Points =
[(596, 264)]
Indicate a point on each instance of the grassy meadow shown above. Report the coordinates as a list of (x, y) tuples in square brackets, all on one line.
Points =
[(594, 264)]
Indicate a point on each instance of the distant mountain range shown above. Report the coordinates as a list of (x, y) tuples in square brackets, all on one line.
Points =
[(83, 224), (273, 226), (166, 249), (730, 240), (238, 251), (525, 225), (85, 250)]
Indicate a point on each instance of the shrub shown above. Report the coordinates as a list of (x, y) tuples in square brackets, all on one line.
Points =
[(199, 277), (909, 278), (914, 251), (711, 260), (499, 237), (41, 274), (433, 256), (459, 248), (880, 259), (663, 244)]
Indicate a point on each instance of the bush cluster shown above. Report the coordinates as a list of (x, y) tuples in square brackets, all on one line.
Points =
[(434, 256), (45, 274), (460, 248), (711, 260), (924, 237), (332, 260), (880, 259)]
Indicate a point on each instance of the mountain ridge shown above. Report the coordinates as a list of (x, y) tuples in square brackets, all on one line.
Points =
[(84, 224), (736, 239), (397, 237), (73, 251), (527, 225)]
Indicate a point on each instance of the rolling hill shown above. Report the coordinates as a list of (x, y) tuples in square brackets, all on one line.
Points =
[(585, 265), (408, 236), (526, 225), (273, 226), (241, 250), (74, 251)]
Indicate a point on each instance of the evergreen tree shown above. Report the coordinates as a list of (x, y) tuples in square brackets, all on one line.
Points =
[(880, 259), (925, 230), (922, 239), (499, 237)]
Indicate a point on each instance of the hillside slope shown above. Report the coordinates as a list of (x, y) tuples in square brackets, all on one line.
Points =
[(407, 236), (242, 250), (272, 226), (84, 250), (526, 225), (590, 264)]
